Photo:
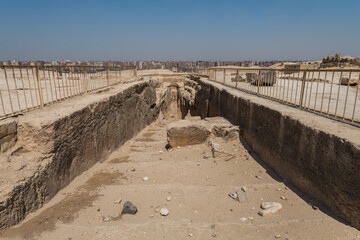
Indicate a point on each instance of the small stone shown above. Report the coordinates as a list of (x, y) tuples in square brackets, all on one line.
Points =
[(241, 196), (283, 198), (151, 216), (145, 178), (98, 209), (133, 169), (118, 201), (129, 208), (190, 235), (168, 198), (164, 212), (258, 177), (278, 236), (251, 218), (157, 209), (206, 156), (315, 207), (269, 208), (243, 219), (214, 235), (106, 219), (278, 189), (243, 188), (198, 164), (212, 226), (233, 195)]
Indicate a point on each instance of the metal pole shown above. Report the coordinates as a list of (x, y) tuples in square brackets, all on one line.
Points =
[(39, 86), (302, 89)]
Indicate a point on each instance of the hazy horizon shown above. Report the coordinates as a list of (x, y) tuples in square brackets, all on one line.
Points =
[(178, 30)]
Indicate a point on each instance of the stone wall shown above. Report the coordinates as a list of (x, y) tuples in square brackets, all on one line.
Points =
[(8, 135), (319, 156), (73, 143)]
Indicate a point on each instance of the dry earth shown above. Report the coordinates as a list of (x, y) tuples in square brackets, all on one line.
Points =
[(200, 207)]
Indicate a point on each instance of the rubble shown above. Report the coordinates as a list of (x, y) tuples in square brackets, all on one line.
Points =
[(269, 208), (129, 208)]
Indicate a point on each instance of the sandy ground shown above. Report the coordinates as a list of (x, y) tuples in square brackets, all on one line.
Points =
[(326, 97), (200, 207), (23, 92)]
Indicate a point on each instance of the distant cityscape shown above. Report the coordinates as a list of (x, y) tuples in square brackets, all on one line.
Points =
[(175, 66)]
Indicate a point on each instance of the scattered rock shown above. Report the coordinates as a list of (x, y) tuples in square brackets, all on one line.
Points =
[(243, 219), (190, 235), (98, 209), (168, 198), (241, 196), (233, 195), (315, 207), (118, 201), (218, 151), (164, 212), (278, 236), (258, 177), (212, 226), (206, 156), (157, 209), (283, 198), (198, 164), (145, 178), (269, 208), (278, 189), (106, 219), (214, 235), (129, 208), (243, 189), (133, 169)]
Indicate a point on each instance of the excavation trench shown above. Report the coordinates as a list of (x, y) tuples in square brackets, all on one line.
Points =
[(50, 147)]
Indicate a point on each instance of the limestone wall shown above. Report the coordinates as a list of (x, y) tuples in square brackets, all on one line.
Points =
[(319, 156), (62, 148), (8, 135)]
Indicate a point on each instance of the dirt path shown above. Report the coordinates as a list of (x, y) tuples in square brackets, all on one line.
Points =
[(200, 207)]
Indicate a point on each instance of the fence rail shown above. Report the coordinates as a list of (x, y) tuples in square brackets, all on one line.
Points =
[(330, 92), (23, 88)]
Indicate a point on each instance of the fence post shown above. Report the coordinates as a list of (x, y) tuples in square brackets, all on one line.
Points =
[(107, 76), (258, 83), (39, 86), (237, 78), (302, 89), (85, 82), (224, 74)]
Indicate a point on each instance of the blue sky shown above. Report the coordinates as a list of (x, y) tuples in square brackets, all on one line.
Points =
[(178, 30)]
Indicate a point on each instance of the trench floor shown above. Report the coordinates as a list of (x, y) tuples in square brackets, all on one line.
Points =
[(200, 207)]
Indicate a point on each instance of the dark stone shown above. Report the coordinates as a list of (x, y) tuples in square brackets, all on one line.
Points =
[(129, 208)]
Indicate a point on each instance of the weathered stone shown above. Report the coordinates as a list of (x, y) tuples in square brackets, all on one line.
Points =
[(233, 195), (164, 212), (269, 208), (184, 133), (241, 196), (129, 208)]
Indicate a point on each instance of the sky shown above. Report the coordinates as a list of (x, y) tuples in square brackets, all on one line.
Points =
[(210, 30)]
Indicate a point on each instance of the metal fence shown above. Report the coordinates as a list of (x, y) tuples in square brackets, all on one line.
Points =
[(23, 88), (331, 92)]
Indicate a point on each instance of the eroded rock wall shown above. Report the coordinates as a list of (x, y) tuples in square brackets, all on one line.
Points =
[(320, 163), (74, 143)]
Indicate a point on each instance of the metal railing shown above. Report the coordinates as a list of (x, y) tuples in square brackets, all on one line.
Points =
[(330, 92), (23, 88)]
